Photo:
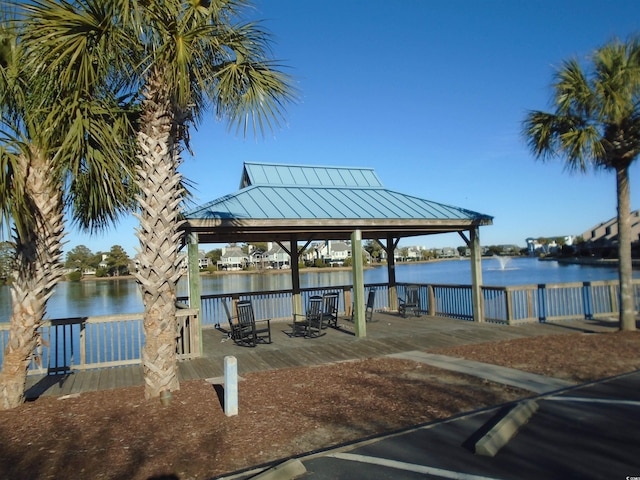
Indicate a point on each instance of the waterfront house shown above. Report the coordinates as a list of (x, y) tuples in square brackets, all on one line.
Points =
[(330, 252), (277, 256), (603, 237), (232, 258), (203, 260)]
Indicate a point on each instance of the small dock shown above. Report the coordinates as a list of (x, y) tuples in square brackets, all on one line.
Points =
[(387, 334)]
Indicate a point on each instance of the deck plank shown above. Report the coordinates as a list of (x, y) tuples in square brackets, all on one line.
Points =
[(389, 334)]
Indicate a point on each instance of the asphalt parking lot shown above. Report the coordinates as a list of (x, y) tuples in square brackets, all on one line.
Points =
[(590, 431)]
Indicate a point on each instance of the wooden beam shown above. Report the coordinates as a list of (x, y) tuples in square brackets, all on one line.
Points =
[(294, 256), (193, 273), (391, 269), (359, 318), (476, 276)]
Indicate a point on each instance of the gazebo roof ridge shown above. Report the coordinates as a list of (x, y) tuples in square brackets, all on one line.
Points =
[(289, 175), (278, 200)]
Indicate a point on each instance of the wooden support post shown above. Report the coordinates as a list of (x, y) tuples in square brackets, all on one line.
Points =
[(358, 284), (193, 274), (431, 295), (230, 386), (294, 260), (476, 275), (389, 249)]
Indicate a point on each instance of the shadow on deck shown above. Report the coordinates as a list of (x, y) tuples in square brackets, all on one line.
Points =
[(388, 334)]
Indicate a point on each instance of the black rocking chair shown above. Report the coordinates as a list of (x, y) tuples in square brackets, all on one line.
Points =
[(310, 325), (368, 309), (250, 331), (330, 310), (411, 303)]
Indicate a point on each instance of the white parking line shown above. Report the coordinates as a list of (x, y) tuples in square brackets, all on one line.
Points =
[(633, 403), (411, 467)]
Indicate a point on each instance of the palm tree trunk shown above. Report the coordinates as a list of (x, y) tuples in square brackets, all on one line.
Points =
[(627, 307), (158, 233), (37, 271)]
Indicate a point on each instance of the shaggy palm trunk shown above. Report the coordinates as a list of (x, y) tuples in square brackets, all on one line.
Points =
[(627, 307), (36, 273), (158, 233)]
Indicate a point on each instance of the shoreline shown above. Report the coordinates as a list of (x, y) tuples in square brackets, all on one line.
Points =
[(276, 271), (592, 262)]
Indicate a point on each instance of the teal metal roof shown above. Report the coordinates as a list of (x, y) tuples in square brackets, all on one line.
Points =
[(282, 202), (273, 174), (320, 198)]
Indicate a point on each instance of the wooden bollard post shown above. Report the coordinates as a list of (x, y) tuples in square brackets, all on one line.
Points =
[(230, 386)]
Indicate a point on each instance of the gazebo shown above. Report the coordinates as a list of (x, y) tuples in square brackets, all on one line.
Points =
[(291, 204)]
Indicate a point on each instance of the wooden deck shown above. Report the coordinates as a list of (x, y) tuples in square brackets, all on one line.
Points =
[(389, 333)]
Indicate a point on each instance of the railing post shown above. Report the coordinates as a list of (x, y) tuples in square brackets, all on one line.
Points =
[(587, 301), (542, 303), (432, 300), (613, 297), (508, 305), (83, 343)]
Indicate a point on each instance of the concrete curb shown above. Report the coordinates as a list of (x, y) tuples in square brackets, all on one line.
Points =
[(285, 471), (507, 376), (503, 431)]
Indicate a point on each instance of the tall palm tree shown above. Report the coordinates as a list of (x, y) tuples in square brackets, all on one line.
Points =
[(195, 56), (596, 122), (184, 57), (59, 145)]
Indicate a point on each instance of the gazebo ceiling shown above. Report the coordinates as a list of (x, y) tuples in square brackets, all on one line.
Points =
[(277, 202)]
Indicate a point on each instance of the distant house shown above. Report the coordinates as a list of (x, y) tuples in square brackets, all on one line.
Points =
[(409, 254), (447, 252), (414, 254), (257, 257), (331, 252), (606, 233), (276, 256), (232, 258), (603, 237), (203, 261)]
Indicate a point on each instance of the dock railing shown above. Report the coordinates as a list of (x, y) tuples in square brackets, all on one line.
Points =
[(102, 341), (117, 340), (513, 305), (508, 305)]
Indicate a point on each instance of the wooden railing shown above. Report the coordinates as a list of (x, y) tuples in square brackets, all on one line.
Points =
[(102, 341), (117, 340), (506, 305), (527, 303), (278, 304)]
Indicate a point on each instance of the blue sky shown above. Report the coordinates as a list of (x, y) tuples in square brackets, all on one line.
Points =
[(432, 95)]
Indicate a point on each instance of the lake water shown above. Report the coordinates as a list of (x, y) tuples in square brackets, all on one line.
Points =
[(105, 297)]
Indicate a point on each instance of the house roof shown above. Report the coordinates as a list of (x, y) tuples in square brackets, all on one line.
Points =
[(276, 201)]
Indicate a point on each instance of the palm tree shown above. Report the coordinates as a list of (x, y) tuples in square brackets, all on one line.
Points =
[(596, 121), (184, 56), (195, 56), (59, 146)]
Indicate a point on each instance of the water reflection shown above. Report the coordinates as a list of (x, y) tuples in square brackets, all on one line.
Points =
[(95, 297)]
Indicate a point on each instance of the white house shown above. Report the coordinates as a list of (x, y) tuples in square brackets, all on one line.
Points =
[(203, 261), (276, 256), (330, 252), (232, 258)]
